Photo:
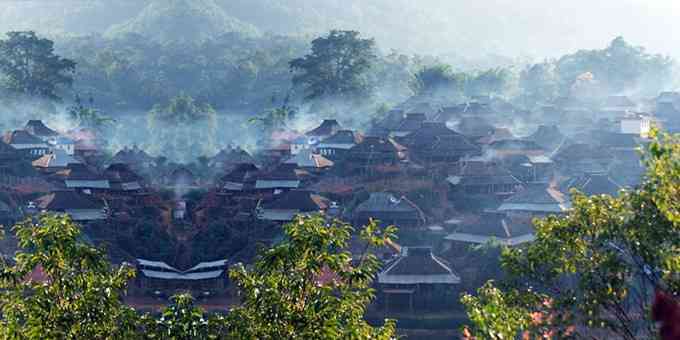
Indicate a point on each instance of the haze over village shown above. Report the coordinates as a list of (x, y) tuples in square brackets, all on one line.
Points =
[(339, 169)]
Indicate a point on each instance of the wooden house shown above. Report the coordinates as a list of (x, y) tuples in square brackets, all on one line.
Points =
[(417, 279), (240, 179), (509, 147), (410, 123), (123, 179), (80, 177), (536, 200), (30, 145), (230, 157), (326, 129), (286, 206), (479, 177), (389, 210), (592, 184), (134, 157), (336, 146), (278, 180), (39, 129), (436, 143), (55, 161), (159, 276), (490, 227), (374, 154), (79, 206), (309, 161)]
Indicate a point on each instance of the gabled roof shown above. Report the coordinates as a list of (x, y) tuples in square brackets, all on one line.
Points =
[(580, 151), (391, 120), (412, 122), (593, 184), (431, 133), (474, 127), (120, 172), (38, 128), (79, 172), (327, 128), (300, 200), (342, 137), (483, 173), (283, 172), (241, 173), (547, 136), (18, 137), (387, 202), (68, 200), (493, 225), (57, 159), (181, 176), (537, 198), (377, 145), (417, 265), (132, 156), (307, 159), (232, 156)]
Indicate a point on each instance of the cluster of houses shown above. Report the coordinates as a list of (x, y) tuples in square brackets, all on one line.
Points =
[(449, 176)]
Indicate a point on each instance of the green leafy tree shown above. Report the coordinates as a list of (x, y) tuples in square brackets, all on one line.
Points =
[(30, 66), (337, 67), (433, 78), (618, 67), (308, 287), (183, 320), (593, 272), (79, 296), (491, 81), (184, 126), (88, 116), (539, 82)]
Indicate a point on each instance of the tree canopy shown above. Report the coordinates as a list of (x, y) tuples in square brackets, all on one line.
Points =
[(336, 67), (595, 270), (30, 67), (306, 287)]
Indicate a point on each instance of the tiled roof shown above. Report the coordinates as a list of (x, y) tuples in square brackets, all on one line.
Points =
[(57, 159), (594, 184), (386, 202), (303, 201), (21, 137), (418, 265), (327, 128), (68, 200), (307, 159), (38, 128)]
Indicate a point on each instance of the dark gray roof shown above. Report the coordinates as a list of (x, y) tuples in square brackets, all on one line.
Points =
[(343, 137), (68, 200), (418, 265), (327, 128), (594, 184), (386, 202), (495, 225), (304, 201), (537, 194), (21, 137), (38, 128)]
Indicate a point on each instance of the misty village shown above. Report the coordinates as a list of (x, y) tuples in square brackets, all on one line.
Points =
[(332, 184)]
